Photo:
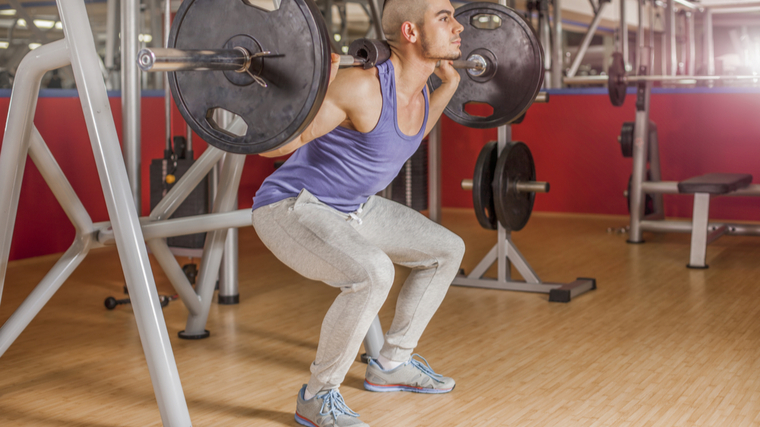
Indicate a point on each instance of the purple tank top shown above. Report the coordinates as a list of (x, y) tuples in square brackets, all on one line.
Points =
[(343, 168)]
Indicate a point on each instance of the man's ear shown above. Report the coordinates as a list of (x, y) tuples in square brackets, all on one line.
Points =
[(410, 32)]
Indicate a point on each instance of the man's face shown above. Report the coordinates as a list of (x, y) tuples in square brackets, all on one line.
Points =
[(439, 32)]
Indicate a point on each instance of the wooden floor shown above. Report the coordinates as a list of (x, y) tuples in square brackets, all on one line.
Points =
[(655, 345)]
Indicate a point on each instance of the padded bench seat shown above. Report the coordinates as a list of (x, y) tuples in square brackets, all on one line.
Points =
[(715, 183)]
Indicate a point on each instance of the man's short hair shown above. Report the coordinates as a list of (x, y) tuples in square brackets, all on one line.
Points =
[(396, 12)]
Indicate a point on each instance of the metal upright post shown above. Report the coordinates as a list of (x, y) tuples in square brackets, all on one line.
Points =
[(228, 274), (624, 36), (670, 35), (640, 141), (112, 30), (226, 201), (167, 90), (709, 42), (130, 95), (691, 65), (546, 37), (434, 173), (639, 35), (156, 26), (124, 217), (557, 50), (650, 61), (503, 265)]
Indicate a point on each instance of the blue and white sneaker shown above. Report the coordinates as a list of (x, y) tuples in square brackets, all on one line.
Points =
[(326, 409), (414, 375)]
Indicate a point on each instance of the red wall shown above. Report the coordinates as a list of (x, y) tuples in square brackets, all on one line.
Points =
[(41, 225), (573, 139)]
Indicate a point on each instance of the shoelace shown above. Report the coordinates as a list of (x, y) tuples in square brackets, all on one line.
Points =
[(426, 368), (355, 216), (335, 405)]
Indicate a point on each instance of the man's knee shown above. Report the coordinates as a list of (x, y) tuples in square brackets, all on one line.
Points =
[(375, 275), (453, 249)]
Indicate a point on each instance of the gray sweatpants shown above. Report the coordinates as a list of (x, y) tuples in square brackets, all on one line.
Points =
[(356, 252)]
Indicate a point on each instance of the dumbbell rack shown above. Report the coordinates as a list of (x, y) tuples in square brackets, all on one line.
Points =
[(125, 229), (506, 254)]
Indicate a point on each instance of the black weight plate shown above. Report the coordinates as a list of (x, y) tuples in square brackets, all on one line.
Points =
[(626, 139), (512, 85), (515, 164), (482, 186), (297, 78), (615, 83)]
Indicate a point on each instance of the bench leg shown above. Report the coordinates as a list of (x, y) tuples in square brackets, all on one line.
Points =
[(699, 230)]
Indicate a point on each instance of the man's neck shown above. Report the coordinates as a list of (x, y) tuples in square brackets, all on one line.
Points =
[(412, 74)]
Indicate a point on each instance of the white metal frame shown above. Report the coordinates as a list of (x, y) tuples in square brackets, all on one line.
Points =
[(125, 229)]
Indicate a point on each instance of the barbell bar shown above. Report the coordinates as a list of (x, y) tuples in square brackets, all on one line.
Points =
[(239, 60), (523, 187), (618, 79), (654, 78)]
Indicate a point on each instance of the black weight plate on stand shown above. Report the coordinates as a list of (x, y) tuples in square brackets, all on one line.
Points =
[(515, 164), (297, 78), (511, 86), (626, 139), (482, 186), (615, 83)]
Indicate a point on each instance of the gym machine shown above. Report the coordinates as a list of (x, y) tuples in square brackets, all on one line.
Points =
[(639, 140)]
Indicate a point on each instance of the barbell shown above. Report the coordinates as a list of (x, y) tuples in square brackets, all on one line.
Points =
[(239, 59), (618, 80), (218, 49), (504, 186)]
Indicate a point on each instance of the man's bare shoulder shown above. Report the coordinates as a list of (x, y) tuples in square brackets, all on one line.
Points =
[(353, 84)]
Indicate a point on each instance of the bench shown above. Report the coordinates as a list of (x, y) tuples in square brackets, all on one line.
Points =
[(703, 187)]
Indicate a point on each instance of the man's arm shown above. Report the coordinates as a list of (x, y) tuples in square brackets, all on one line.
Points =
[(441, 97), (330, 115)]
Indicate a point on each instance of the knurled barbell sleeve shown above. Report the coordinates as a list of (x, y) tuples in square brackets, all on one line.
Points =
[(164, 59)]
